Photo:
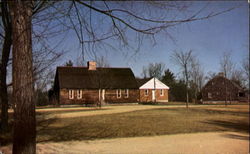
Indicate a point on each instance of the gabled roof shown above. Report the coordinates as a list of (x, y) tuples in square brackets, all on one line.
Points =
[(106, 78), (140, 82), (224, 78), (153, 83)]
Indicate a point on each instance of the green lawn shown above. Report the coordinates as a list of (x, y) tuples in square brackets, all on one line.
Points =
[(144, 123)]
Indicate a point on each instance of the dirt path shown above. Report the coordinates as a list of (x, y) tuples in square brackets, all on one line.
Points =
[(205, 143), (222, 142)]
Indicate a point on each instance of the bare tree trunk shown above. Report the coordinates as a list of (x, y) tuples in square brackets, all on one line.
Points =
[(3, 66), (186, 74), (3, 75), (24, 137)]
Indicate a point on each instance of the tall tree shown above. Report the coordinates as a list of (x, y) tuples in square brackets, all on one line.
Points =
[(226, 64), (6, 47), (24, 137), (184, 61), (168, 78), (197, 77), (153, 70), (227, 67), (69, 63), (246, 70)]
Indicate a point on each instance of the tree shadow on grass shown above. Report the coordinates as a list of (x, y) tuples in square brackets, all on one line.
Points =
[(236, 136), (69, 111), (238, 126)]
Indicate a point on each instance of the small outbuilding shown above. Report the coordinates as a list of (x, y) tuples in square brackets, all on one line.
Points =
[(152, 90)]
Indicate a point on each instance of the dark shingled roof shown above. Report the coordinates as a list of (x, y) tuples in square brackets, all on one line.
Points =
[(141, 82), (106, 78)]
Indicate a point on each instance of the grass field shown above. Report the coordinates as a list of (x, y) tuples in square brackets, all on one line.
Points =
[(88, 123)]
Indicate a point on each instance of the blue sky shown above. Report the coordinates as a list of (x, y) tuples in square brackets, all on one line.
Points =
[(208, 39)]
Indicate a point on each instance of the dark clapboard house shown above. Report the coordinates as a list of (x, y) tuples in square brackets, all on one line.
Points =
[(91, 85), (220, 89)]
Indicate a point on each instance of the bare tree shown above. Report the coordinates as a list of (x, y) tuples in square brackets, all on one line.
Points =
[(227, 67), (24, 137), (102, 62), (226, 64), (5, 54), (246, 69), (154, 70), (122, 20), (184, 61), (238, 77), (197, 76), (43, 56)]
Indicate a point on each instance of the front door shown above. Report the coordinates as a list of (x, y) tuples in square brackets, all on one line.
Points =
[(153, 95), (103, 94)]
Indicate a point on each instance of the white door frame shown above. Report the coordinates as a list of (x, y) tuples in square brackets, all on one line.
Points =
[(103, 94), (153, 94)]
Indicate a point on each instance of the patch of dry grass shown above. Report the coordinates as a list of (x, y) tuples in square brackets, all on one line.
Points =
[(159, 121)]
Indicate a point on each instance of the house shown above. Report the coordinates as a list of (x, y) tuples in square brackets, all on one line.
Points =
[(152, 90), (91, 84), (220, 89)]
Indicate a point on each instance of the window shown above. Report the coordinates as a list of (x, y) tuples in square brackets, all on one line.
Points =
[(212, 83), (217, 93), (79, 94), (241, 94), (146, 92), (126, 93), (118, 92), (71, 94), (161, 92), (209, 95)]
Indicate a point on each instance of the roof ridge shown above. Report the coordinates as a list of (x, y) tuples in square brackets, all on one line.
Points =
[(96, 67)]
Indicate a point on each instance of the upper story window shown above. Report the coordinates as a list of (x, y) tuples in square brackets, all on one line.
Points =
[(146, 92), (161, 92), (79, 94), (126, 93), (118, 93), (71, 94)]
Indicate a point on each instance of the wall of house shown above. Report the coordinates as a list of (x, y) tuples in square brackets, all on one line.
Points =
[(111, 96), (148, 98), (216, 88), (92, 96), (88, 97)]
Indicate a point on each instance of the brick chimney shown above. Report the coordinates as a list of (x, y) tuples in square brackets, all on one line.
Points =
[(221, 74), (91, 65)]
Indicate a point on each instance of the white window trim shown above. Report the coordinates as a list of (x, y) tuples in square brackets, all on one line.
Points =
[(146, 92), (126, 93), (71, 94), (161, 92), (118, 93), (77, 93)]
